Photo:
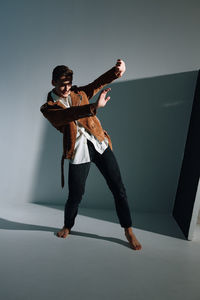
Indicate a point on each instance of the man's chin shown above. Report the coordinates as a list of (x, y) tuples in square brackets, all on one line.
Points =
[(65, 95)]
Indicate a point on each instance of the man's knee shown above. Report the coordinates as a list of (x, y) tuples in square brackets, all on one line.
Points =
[(75, 196), (118, 189)]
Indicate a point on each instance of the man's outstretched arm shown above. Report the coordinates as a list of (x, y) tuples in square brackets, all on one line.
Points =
[(58, 116), (94, 87)]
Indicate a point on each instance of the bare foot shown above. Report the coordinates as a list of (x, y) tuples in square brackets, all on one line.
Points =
[(63, 233), (132, 239)]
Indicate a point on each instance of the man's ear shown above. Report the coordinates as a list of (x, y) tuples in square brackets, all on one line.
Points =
[(53, 82)]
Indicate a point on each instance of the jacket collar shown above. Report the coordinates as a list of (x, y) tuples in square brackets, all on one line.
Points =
[(76, 98)]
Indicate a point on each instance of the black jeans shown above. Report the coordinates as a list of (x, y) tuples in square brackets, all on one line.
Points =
[(108, 166)]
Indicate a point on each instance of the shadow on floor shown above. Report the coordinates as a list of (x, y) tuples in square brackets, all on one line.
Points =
[(96, 236), (10, 225), (160, 223)]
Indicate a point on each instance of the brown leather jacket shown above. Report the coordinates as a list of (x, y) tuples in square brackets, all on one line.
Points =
[(63, 118)]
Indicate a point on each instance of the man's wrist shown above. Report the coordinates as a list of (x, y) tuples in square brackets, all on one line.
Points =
[(96, 105), (93, 108)]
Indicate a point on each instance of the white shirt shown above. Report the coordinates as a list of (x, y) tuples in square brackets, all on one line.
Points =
[(81, 148)]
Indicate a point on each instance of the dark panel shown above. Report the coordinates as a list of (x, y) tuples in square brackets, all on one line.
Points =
[(190, 171)]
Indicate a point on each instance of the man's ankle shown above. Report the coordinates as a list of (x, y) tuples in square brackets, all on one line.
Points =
[(128, 229), (64, 227)]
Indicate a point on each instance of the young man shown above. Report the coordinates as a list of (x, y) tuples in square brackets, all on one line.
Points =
[(85, 141)]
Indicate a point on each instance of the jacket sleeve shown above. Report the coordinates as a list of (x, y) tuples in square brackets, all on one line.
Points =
[(94, 87), (59, 117)]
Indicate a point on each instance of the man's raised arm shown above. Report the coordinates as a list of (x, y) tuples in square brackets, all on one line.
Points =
[(94, 87)]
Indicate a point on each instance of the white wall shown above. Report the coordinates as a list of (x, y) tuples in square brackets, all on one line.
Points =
[(153, 37)]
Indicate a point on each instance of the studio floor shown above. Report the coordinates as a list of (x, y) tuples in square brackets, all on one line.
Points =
[(95, 261)]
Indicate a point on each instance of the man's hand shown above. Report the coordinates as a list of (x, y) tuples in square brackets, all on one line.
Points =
[(120, 67), (102, 100)]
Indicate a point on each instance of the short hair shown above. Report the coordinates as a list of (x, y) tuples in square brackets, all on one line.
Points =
[(61, 71)]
